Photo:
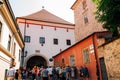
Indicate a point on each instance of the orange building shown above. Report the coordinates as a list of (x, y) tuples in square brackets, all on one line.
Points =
[(83, 53)]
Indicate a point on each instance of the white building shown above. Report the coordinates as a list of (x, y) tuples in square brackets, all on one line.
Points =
[(45, 35), (11, 43)]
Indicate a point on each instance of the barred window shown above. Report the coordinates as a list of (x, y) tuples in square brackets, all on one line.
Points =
[(68, 42), (42, 40), (55, 41), (27, 38)]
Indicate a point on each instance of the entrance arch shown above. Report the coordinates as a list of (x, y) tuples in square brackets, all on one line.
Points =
[(36, 61)]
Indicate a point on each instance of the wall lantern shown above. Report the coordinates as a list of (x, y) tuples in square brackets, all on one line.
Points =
[(25, 54), (51, 59)]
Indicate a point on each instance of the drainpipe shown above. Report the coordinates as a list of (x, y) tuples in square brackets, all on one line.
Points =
[(22, 56), (96, 57)]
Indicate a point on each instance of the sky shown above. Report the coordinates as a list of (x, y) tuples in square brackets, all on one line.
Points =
[(60, 8)]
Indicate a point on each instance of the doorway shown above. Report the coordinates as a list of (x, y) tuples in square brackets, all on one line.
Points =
[(103, 69), (36, 61)]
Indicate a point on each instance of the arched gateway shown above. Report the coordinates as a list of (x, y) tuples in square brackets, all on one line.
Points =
[(36, 61)]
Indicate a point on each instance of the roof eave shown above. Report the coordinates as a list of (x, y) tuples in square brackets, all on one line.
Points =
[(79, 42), (75, 4), (46, 21), (13, 18)]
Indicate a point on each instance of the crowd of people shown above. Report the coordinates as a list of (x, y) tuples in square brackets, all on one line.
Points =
[(49, 73)]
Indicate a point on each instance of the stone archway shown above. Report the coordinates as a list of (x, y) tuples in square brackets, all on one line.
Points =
[(36, 61)]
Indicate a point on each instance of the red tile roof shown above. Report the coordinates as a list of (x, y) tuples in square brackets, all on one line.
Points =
[(46, 16)]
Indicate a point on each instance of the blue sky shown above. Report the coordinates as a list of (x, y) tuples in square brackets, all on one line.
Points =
[(60, 8)]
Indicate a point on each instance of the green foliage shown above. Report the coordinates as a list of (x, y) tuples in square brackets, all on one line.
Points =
[(108, 13)]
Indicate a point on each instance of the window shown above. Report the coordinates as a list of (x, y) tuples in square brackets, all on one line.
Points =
[(13, 63), (19, 57), (84, 4), (55, 41), (86, 18), (72, 60), (9, 43), (27, 38), (0, 30), (86, 56), (0, 26), (14, 49), (63, 62), (68, 42), (42, 40)]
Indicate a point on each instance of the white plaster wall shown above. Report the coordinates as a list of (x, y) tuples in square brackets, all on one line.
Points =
[(48, 49), (4, 59), (22, 26), (17, 61), (3, 66)]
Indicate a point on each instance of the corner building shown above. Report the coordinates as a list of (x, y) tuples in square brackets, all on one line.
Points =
[(11, 42), (45, 35), (85, 21)]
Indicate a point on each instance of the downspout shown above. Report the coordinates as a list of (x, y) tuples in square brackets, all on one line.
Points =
[(96, 57), (22, 56)]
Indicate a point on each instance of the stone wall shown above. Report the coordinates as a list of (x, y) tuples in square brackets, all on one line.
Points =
[(111, 54)]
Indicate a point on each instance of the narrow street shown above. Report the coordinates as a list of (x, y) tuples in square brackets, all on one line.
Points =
[(60, 39)]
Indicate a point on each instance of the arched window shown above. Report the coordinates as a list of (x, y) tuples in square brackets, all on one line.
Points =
[(63, 62)]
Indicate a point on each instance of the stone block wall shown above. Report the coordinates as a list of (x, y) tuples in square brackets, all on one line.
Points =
[(111, 54)]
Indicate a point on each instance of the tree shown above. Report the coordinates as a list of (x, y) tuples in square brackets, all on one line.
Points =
[(108, 13)]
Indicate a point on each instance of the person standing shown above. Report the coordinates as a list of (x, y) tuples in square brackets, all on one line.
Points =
[(54, 72), (81, 73), (72, 73), (50, 72), (16, 75), (24, 73), (86, 73), (63, 73), (45, 73), (68, 71), (11, 73), (19, 74)]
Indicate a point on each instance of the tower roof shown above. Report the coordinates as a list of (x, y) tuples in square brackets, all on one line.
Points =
[(44, 15)]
